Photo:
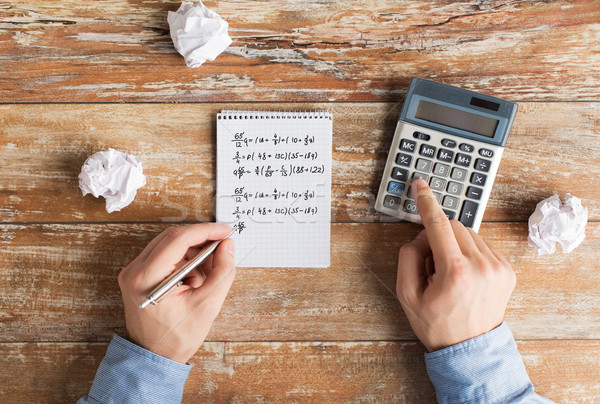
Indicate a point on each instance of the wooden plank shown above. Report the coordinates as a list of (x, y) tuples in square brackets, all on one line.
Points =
[(59, 284), (554, 147), (56, 51), (301, 372)]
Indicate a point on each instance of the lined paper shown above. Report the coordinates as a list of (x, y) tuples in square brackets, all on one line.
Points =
[(274, 186)]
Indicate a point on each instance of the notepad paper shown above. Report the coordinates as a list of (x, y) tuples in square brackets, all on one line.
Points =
[(274, 186)]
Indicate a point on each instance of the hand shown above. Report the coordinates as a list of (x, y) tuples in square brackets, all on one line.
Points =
[(177, 326), (451, 284)]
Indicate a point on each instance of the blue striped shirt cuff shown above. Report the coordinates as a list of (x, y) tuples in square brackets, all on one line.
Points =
[(484, 369), (131, 374)]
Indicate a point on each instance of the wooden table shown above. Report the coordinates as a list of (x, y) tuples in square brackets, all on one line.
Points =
[(77, 77)]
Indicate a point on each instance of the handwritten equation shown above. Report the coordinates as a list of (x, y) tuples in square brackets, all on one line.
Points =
[(274, 185)]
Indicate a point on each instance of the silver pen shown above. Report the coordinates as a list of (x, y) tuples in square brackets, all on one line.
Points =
[(176, 279)]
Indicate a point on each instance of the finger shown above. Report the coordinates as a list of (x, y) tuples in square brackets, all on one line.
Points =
[(439, 232), (176, 243), (220, 278), (465, 241), (195, 279), (207, 265), (411, 280)]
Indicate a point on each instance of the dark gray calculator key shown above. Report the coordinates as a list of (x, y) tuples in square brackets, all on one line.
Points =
[(403, 159), (427, 151), (409, 193), (454, 188), (463, 159), (478, 179), (438, 196), (421, 135), (391, 202), (458, 174), (445, 155), (400, 174), (424, 165), (420, 175), (395, 188), (408, 145), (468, 212), (437, 184), (448, 143), (483, 165), (441, 169), (450, 202), (466, 147), (451, 214), (486, 153), (474, 193), (411, 207)]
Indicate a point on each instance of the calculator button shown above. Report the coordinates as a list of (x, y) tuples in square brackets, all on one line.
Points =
[(411, 207), (483, 165), (400, 174), (409, 193), (417, 174), (395, 188), (467, 214), (450, 202), (391, 202), (486, 153), (427, 151), (458, 174), (445, 155), (448, 143), (421, 135), (403, 159), (462, 159), (438, 196), (474, 193), (466, 147), (441, 169), (424, 165), (478, 179), (408, 145), (437, 184), (454, 188), (451, 214)]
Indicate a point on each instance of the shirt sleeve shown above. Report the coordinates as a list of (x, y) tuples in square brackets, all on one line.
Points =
[(484, 369), (131, 374)]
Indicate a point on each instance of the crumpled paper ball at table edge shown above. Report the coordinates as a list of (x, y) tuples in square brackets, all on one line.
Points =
[(555, 222), (97, 179)]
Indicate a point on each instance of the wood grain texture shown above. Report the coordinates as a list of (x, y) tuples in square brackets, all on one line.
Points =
[(299, 372), (59, 284), (89, 51), (553, 148)]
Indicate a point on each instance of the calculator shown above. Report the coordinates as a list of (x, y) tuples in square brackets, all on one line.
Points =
[(453, 139)]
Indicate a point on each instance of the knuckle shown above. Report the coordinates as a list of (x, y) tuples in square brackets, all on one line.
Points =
[(174, 232)]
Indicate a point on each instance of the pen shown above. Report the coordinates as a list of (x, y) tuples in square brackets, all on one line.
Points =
[(176, 279)]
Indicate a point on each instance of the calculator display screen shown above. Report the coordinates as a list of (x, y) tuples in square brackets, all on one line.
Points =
[(456, 118)]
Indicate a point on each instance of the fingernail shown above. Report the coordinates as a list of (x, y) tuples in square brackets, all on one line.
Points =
[(231, 246), (418, 185)]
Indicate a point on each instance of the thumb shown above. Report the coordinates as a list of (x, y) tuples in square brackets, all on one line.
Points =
[(411, 280), (219, 277)]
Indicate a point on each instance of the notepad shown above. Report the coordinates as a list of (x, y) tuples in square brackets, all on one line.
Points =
[(274, 186)]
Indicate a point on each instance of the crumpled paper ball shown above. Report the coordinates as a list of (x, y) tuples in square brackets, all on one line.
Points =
[(554, 222), (114, 175), (199, 34)]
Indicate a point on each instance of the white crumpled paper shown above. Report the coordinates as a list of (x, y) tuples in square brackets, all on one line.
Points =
[(114, 175), (198, 33), (554, 222)]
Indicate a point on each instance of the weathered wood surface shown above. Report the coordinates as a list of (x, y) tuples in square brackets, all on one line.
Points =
[(89, 51), (554, 147), (59, 284), (299, 372)]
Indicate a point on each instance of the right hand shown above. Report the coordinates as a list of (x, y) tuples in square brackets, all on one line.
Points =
[(451, 284), (177, 326)]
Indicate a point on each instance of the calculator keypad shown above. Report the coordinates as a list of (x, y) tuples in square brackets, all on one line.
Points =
[(457, 172)]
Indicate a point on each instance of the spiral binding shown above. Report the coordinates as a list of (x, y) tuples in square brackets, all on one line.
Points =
[(272, 114)]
